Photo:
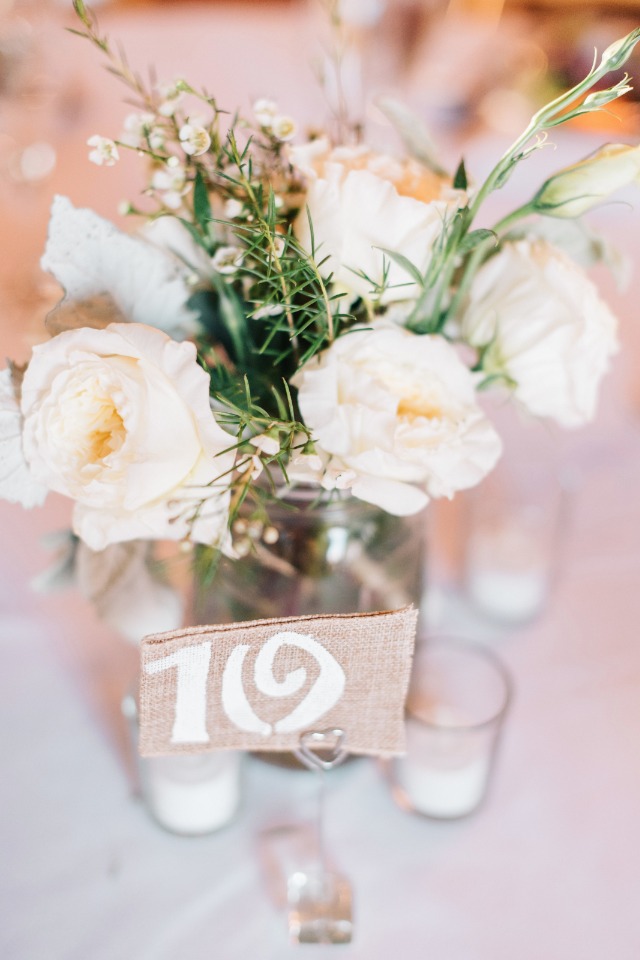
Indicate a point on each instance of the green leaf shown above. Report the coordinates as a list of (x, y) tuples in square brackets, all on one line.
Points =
[(460, 181), (234, 320), (475, 238), (201, 204), (493, 378), (405, 264), (414, 134)]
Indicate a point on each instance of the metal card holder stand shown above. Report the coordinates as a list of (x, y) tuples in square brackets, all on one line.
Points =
[(320, 900)]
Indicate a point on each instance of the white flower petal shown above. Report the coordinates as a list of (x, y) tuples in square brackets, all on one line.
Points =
[(544, 326), (399, 412), (399, 499), (16, 481)]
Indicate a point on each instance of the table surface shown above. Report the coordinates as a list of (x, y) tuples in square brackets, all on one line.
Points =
[(546, 869)]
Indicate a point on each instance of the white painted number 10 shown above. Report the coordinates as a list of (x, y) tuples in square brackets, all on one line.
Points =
[(193, 664)]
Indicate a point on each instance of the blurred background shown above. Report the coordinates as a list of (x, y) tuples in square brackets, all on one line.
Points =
[(473, 70)]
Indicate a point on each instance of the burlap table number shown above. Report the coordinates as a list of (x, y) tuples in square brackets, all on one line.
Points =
[(258, 685)]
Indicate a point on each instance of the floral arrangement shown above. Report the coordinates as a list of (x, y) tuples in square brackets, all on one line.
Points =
[(298, 311)]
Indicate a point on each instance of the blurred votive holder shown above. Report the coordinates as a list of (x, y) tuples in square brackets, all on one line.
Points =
[(187, 794), (458, 699), (512, 542)]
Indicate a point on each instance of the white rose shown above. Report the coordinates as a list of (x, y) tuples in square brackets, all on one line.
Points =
[(360, 202), (399, 411), (119, 420), (541, 322)]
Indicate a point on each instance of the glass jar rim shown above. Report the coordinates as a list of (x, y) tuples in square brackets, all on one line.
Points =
[(481, 652)]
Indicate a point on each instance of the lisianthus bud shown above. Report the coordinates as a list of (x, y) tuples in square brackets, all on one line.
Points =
[(619, 52), (576, 189)]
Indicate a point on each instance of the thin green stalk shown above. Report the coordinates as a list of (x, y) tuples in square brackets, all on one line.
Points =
[(476, 258), (537, 125)]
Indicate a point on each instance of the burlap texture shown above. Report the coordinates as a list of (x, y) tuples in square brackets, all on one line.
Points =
[(373, 649)]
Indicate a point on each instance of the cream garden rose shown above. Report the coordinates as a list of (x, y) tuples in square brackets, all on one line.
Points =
[(540, 321), (360, 201), (119, 420), (398, 413)]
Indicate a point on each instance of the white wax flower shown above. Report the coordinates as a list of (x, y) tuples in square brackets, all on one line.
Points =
[(171, 95), (105, 152), (359, 202), (194, 139), (305, 468), (136, 128), (119, 420), (283, 128), (576, 189), (233, 209), (226, 260), (170, 181), (264, 111), (540, 321), (398, 413), (266, 444)]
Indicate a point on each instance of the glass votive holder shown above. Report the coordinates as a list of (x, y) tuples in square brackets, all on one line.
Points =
[(512, 543), (458, 699), (187, 794)]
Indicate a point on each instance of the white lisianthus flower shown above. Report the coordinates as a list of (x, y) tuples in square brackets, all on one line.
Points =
[(576, 189), (105, 152), (398, 413), (359, 202), (540, 321), (119, 420), (194, 139)]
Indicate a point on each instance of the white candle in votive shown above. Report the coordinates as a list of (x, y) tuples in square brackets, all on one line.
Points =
[(509, 595), (507, 572), (193, 794), (444, 773)]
